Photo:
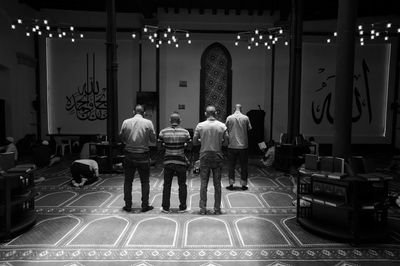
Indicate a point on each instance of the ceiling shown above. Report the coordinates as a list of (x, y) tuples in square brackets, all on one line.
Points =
[(313, 9)]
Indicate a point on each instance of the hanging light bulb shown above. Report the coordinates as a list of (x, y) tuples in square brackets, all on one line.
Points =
[(286, 43), (189, 41), (71, 28), (386, 38), (72, 40), (50, 35), (372, 37), (256, 31), (169, 29), (328, 40), (159, 42), (372, 31), (398, 30), (361, 39), (169, 41), (389, 25), (155, 34), (81, 35), (362, 43), (145, 29), (187, 35), (276, 39), (361, 32), (256, 43), (377, 34), (176, 45), (64, 34), (261, 37), (13, 26), (133, 35), (252, 39), (157, 46), (236, 43), (238, 37), (248, 47), (47, 27), (39, 32), (273, 42), (165, 35), (28, 34), (280, 31), (270, 37), (45, 21), (152, 40), (266, 44), (33, 29), (59, 35), (360, 27), (19, 21), (268, 47), (37, 27), (150, 37), (335, 34)]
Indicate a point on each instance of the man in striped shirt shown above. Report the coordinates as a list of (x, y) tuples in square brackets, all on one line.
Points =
[(174, 139)]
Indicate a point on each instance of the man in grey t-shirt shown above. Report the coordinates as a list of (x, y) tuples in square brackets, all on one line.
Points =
[(211, 133), (238, 125)]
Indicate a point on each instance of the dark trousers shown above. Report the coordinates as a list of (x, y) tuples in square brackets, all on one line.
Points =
[(79, 170), (169, 171), (139, 162), (210, 162), (243, 156)]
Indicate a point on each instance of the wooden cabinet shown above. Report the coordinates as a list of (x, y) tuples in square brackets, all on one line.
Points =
[(17, 203), (352, 208)]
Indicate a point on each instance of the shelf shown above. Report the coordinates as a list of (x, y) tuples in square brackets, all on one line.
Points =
[(328, 201)]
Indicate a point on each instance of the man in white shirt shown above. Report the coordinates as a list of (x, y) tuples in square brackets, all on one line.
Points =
[(238, 126), (211, 134), (137, 133)]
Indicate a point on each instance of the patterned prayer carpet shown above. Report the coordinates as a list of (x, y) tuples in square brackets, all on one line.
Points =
[(87, 227)]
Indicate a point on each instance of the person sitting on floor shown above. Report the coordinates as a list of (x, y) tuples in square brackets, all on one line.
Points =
[(84, 172), (269, 156), (10, 147)]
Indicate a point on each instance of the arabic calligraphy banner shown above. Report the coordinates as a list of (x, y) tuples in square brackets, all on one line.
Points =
[(370, 90)]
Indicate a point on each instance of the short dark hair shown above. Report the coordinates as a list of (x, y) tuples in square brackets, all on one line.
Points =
[(139, 109)]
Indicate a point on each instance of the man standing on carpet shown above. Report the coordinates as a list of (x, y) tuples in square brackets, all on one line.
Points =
[(174, 139), (238, 125), (137, 133), (210, 134)]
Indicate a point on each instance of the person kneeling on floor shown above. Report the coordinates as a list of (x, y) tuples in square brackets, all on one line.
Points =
[(84, 172)]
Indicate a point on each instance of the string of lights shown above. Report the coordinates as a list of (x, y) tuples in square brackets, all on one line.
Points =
[(373, 31), (261, 37), (46, 28), (161, 35)]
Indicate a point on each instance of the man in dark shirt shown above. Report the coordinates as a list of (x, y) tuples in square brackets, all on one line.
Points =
[(137, 133), (174, 139)]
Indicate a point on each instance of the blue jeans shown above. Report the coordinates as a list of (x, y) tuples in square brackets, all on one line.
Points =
[(210, 162), (233, 155), (169, 171), (141, 163)]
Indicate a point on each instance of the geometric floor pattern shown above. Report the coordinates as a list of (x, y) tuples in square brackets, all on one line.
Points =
[(86, 226)]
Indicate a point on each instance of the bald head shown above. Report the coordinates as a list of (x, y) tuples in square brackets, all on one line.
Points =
[(175, 119), (139, 109), (210, 111), (238, 107)]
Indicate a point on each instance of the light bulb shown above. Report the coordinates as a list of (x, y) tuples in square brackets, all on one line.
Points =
[(28, 34), (19, 21), (270, 37), (236, 43), (187, 34), (398, 30), (280, 31), (133, 35), (372, 37), (152, 40), (249, 47), (361, 39), (145, 29), (45, 21), (169, 41), (256, 43), (47, 27), (160, 42), (273, 42), (268, 47), (189, 41), (361, 32), (328, 40), (169, 29), (37, 27), (286, 43), (13, 26), (389, 25), (266, 44), (165, 35), (335, 34), (276, 39), (155, 35), (72, 40), (64, 33), (59, 35), (71, 28), (39, 32), (176, 45), (50, 35), (377, 34), (238, 37), (360, 27), (157, 45), (81, 35), (34, 29), (252, 39), (261, 37), (362, 43), (372, 31), (386, 38), (256, 31)]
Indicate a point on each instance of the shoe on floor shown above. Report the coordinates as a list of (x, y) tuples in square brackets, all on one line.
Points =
[(245, 188), (202, 212), (217, 212), (127, 208), (182, 210), (230, 187), (147, 208), (165, 211)]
